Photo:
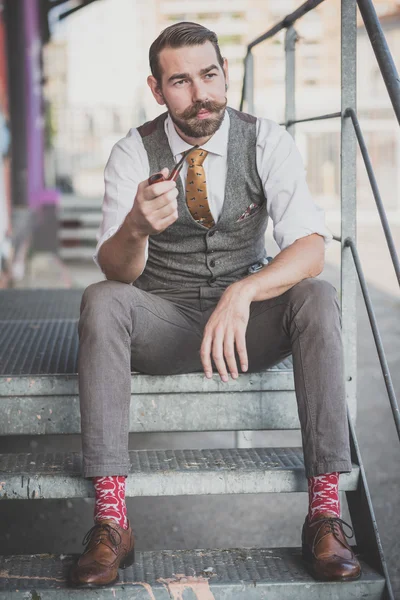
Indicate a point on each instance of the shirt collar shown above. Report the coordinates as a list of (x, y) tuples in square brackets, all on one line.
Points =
[(217, 144)]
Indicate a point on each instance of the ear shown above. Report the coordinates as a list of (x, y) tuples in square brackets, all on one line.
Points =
[(155, 89), (226, 73)]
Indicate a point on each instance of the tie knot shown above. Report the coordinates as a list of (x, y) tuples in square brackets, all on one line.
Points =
[(197, 157)]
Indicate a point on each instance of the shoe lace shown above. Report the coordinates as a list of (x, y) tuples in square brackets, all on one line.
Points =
[(333, 525), (100, 533)]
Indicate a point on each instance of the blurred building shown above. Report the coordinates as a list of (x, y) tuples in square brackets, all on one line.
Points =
[(87, 87), (30, 213), (5, 139), (95, 66)]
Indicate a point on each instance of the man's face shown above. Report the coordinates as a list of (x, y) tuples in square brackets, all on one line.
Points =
[(193, 88)]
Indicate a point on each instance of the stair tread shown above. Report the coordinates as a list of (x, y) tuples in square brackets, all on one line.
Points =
[(251, 572), (164, 472)]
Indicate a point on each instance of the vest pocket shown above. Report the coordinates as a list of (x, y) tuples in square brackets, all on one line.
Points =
[(251, 216)]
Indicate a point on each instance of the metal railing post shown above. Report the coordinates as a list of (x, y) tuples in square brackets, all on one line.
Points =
[(291, 38), (348, 198), (244, 439), (249, 83)]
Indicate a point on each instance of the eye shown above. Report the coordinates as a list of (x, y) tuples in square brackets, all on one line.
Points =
[(211, 75), (177, 83)]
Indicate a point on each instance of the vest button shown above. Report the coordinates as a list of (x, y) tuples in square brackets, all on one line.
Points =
[(212, 233), (212, 263), (212, 280)]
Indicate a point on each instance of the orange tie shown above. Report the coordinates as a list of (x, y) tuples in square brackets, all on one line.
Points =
[(196, 189)]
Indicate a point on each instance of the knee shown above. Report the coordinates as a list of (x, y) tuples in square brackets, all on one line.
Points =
[(104, 296), (315, 290), (315, 300)]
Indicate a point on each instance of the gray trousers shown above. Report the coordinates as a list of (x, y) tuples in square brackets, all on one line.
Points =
[(122, 328)]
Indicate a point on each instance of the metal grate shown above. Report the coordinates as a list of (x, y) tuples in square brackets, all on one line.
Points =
[(38, 332), (155, 461), (32, 305), (38, 347), (241, 573)]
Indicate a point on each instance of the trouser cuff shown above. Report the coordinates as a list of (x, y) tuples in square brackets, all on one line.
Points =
[(105, 470), (323, 468)]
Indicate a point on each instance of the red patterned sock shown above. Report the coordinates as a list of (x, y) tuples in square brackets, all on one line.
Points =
[(110, 500), (323, 495)]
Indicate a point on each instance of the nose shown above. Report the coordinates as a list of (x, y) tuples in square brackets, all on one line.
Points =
[(199, 92)]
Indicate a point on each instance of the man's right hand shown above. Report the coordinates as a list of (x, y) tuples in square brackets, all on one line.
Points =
[(155, 207)]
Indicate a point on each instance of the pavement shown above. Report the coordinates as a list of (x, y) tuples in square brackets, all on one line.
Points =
[(244, 520)]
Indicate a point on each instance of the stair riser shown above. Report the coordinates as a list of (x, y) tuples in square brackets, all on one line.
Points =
[(38, 415), (60, 385), (201, 590)]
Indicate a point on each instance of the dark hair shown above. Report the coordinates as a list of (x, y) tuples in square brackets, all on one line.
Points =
[(178, 35)]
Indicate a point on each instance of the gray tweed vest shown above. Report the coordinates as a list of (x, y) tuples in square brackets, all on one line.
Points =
[(188, 254)]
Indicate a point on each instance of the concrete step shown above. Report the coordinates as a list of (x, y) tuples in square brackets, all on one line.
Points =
[(164, 473), (44, 404), (237, 573), (17, 381), (77, 233), (85, 218), (76, 203), (79, 222), (39, 383), (77, 252), (155, 412)]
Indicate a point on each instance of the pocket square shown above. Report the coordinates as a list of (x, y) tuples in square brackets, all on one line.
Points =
[(250, 210)]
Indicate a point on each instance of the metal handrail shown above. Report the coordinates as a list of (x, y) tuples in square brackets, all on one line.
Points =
[(375, 190), (309, 119), (392, 81), (354, 443), (382, 52), (390, 75), (348, 242), (284, 24), (372, 179), (373, 27), (348, 106)]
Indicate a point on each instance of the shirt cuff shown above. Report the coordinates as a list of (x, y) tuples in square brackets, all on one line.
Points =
[(289, 237)]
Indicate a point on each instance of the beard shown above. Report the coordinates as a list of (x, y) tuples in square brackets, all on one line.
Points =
[(193, 127)]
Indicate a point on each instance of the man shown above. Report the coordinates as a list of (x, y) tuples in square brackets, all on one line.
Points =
[(190, 248)]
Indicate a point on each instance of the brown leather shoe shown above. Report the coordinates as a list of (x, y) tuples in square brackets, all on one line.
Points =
[(109, 548), (326, 551)]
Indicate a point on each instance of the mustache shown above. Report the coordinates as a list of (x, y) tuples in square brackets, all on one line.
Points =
[(210, 105)]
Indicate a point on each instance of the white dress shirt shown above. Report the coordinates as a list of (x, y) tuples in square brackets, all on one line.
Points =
[(279, 164)]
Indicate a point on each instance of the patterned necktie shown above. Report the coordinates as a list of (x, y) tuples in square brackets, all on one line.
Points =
[(196, 189)]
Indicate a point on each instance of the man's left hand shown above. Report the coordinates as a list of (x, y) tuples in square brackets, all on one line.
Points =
[(225, 331)]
